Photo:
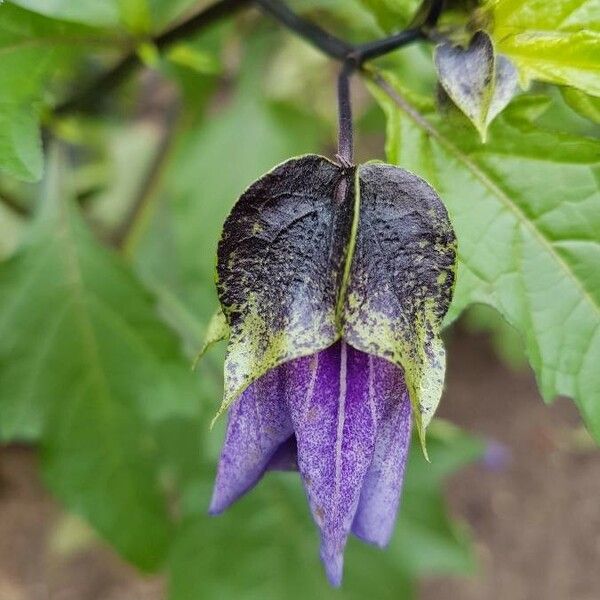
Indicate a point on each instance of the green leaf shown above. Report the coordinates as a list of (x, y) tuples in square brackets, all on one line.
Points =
[(525, 210), (20, 143), (586, 106), (550, 41), (197, 59), (34, 50), (392, 15), (135, 15), (480, 82), (270, 539), (168, 11), (217, 330), (91, 12), (84, 358), (37, 46)]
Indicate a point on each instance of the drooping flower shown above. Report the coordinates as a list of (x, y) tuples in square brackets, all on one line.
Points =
[(333, 282), (343, 418)]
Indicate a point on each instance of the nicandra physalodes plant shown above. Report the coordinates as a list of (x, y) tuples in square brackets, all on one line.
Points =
[(333, 281)]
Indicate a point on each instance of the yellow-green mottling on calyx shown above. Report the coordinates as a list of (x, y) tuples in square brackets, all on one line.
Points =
[(280, 266), (217, 330), (299, 268)]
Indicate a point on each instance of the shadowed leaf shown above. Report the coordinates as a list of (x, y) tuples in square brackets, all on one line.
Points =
[(86, 366)]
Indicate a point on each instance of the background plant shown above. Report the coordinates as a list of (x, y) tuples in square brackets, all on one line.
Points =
[(155, 116)]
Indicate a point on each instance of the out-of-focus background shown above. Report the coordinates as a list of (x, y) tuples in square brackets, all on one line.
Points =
[(106, 290)]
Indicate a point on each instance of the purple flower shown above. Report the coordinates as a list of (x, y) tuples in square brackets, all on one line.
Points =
[(343, 419), (333, 282)]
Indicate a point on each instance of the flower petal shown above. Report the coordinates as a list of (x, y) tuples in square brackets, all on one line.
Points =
[(285, 457), (382, 486), (332, 411), (259, 423)]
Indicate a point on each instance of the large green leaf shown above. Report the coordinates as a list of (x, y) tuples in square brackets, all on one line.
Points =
[(33, 51), (525, 210), (84, 358), (551, 41), (271, 541)]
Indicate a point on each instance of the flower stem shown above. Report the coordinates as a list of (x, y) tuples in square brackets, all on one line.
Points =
[(345, 149)]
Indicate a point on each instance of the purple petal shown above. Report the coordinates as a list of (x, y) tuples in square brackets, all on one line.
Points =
[(332, 409), (382, 486), (259, 423), (285, 457)]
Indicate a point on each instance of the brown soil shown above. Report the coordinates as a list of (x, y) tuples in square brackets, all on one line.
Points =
[(536, 522)]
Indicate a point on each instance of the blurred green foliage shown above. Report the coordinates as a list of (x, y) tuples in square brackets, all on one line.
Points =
[(106, 284)]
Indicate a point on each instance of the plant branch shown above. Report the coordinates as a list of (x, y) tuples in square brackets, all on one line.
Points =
[(121, 238), (326, 42), (14, 204), (339, 49), (435, 10), (118, 74), (371, 50)]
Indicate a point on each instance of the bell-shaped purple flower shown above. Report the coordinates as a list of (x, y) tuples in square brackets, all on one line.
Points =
[(333, 282), (343, 417)]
